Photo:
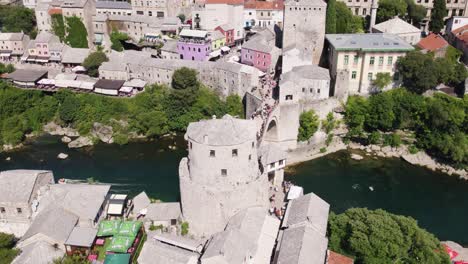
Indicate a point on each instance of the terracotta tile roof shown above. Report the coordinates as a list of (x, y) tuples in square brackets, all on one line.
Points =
[(432, 42), (264, 5), (54, 11), (335, 258), (228, 2)]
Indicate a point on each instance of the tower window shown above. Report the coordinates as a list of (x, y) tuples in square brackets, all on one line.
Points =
[(2, 210), (234, 152), (19, 210), (212, 153), (223, 172)]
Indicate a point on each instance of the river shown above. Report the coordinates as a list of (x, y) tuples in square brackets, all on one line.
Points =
[(439, 202)]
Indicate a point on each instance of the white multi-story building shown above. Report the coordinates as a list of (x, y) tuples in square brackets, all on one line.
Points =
[(455, 22), (364, 56), (12, 46), (151, 8), (120, 8), (263, 13), (216, 13)]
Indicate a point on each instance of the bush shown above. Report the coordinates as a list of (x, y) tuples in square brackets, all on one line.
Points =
[(93, 61), (323, 150), (374, 137), (329, 139), (69, 109), (329, 124), (184, 228), (413, 149), (155, 227), (116, 38), (308, 125)]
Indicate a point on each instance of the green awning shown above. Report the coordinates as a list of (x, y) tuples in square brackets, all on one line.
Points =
[(120, 244), (108, 228), (117, 259), (129, 228)]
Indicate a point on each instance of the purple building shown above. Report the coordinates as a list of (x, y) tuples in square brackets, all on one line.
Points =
[(194, 45)]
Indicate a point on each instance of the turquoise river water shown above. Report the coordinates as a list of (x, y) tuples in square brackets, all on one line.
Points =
[(439, 202)]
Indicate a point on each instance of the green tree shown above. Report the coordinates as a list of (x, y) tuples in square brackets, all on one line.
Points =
[(382, 80), (17, 19), (391, 8), (7, 251), (331, 17), (69, 109), (58, 26), (356, 110), (381, 237), (329, 123), (439, 12), (185, 78), (380, 112), (181, 17), (184, 228), (418, 71), (416, 13), (93, 61), (234, 106), (308, 125), (346, 22), (116, 38), (77, 36)]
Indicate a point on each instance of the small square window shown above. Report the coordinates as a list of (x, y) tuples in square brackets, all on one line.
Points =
[(223, 172), (212, 153), (281, 162), (250, 157), (2, 210), (19, 210), (190, 145), (234, 153)]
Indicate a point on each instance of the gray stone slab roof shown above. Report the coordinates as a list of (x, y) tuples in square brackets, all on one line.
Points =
[(140, 202), (396, 26), (368, 42), (309, 210), (74, 3), (39, 252), (109, 84), (215, 35), (82, 237), (155, 252), (75, 55), (113, 5), (45, 37), (226, 131), (16, 186), (193, 33), (163, 211), (11, 36), (257, 45), (183, 242), (170, 46), (22, 75), (250, 234), (55, 223), (84, 200), (271, 152), (302, 245)]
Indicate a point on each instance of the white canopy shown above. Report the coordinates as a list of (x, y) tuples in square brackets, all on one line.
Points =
[(126, 89), (46, 81), (87, 85), (78, 69), (215, 53), (295, 192), (225, 49)]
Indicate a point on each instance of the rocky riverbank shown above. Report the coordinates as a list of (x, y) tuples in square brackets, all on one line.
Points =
[(420, 158)]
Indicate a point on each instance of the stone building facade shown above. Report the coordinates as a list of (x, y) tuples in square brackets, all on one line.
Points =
[(220, 176), (304, 29), (13, 45)]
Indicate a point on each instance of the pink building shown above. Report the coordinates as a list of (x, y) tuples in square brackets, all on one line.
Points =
[(260, 52)]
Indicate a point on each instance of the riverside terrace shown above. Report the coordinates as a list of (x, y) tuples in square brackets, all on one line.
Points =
[(38, 80)]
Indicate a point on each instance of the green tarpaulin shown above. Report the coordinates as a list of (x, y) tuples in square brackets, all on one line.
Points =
[(120, 244), (117, 259), (129, 228), (108, 228)]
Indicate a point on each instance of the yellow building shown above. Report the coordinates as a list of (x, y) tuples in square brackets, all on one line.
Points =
[(218, 40)]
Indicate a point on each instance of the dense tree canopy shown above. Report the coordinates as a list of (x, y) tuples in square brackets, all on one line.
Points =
[(377, 237), (438, 13), (346, 22), (93, 61), (154, 112), (308, 125), (391, 8), (77, 36), (422, 72), (17, 19), (185, 78), (331, 17), (439, 122), (7, 251), (416, 13), (382, 80), (58, 26), (116, 38)]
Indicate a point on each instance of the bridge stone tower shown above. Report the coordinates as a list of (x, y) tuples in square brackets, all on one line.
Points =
[(304, 29), (221, 174), (373, 17)]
